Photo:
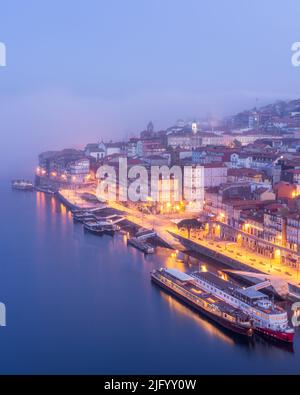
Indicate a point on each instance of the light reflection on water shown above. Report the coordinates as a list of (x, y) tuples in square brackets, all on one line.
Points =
[(210, 328), (91, 298)]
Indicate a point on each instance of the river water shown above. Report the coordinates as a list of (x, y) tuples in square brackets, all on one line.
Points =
[(77, 303)]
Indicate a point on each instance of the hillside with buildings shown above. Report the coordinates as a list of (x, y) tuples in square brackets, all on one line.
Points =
[(250, 174)]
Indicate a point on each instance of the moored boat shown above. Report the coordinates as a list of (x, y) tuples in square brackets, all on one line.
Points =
[(268, 318), (94, 228), (185, 288), (83, 217), (108, 230), (22, 185), (141, 245)]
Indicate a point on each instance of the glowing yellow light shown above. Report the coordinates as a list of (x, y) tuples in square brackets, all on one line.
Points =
[(277, 253), (223, 276), (197, 291), (203, 268), (53, 174)]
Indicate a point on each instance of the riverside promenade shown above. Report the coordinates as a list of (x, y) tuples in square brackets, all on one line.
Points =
[(230, 254), (73, 200), (238, 258)]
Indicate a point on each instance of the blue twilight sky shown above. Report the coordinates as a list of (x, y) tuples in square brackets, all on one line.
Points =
[(81, 70)]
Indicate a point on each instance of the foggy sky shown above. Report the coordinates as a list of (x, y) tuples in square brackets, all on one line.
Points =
[(78, 71)]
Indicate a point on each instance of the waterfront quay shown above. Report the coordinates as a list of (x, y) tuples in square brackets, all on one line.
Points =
[(230, 254), (74, 200)]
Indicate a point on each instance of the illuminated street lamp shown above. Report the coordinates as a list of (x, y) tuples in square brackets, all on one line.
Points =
[(222, 216), (246, 226), (277, 253), (279, 237)]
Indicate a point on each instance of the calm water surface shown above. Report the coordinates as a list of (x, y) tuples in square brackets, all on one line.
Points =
[(78, 303)]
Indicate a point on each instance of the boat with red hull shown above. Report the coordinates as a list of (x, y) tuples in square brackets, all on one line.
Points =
[(287, 337), (268, 319)]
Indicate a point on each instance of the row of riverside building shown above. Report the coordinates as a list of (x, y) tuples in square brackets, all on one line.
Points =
[(251, 176)]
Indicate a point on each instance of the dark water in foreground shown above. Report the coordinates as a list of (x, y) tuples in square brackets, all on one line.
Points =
[(77, 303)]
